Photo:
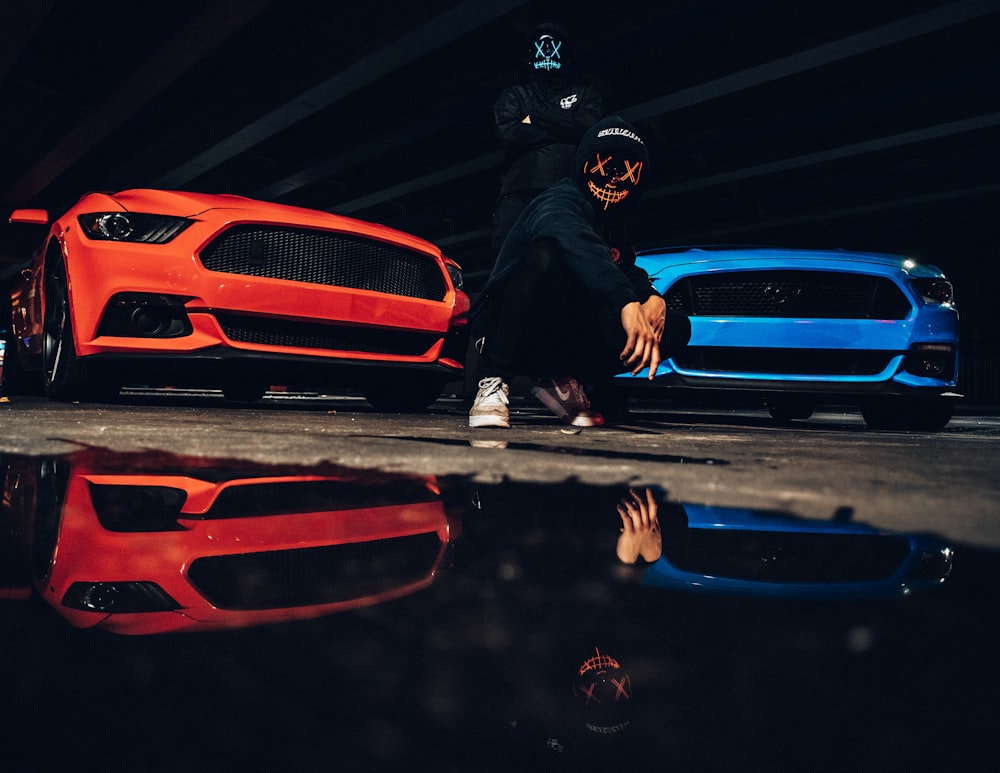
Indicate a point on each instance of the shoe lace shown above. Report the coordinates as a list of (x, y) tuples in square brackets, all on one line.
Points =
[(492, 386)]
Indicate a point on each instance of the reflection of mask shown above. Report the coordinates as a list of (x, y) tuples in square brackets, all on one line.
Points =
[(603, 690), (547, 56), (610, 178)]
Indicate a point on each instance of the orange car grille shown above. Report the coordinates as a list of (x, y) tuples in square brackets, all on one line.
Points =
[(800, 294), (312, 576), (313, 335), (291, 496), (325, 258)]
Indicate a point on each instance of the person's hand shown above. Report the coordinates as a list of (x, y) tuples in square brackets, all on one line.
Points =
[(640, 532), (642, 348)]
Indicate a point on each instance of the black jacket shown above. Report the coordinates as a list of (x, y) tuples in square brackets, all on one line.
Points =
[(541, 153), (598, 261)]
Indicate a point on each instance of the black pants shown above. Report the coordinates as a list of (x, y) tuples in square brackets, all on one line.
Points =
[(508, 208), (543, 323)]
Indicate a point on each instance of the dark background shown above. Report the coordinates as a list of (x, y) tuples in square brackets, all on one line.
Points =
[(851, 124)]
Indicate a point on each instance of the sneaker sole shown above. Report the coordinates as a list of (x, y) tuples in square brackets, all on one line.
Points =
[(588, 420), (489, 421)]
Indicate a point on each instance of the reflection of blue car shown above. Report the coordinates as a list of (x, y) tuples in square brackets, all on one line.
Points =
[(798, 327), (739, 551)]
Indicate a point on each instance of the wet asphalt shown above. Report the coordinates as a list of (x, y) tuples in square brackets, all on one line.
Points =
[(947, 482)]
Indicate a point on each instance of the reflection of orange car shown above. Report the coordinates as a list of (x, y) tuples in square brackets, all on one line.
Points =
[(167, 288), (197, 548)]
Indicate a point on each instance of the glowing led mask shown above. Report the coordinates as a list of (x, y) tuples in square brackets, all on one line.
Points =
[(604, 692), (547, 55), (610, 180)]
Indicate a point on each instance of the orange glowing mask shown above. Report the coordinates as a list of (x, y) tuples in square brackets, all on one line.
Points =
[(610, 180)]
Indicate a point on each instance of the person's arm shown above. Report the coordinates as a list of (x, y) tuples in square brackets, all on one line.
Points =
[(564, 219), (569, 125), (513, 130), (643, 321)]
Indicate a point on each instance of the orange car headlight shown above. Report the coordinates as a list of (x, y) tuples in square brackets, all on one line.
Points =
[(455, 272), (131, 227), (137, 508)]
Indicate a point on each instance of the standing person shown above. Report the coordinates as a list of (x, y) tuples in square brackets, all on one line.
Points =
[(540, 123), (565, 306)]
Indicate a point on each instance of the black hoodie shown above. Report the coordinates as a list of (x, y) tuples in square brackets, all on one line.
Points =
[(581, 231), (540, 153)]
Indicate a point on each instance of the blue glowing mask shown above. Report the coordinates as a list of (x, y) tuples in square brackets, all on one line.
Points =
[(547, 56)]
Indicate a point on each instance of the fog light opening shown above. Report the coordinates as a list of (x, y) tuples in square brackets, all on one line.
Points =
[(149, 322), (101, 597), (144, 315), (931, 361), (111, 597)]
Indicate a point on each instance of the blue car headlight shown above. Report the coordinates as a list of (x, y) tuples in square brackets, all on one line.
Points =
[(131, 227), (934, 289)]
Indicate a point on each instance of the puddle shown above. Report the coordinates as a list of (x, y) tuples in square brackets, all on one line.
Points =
[(260, 614)]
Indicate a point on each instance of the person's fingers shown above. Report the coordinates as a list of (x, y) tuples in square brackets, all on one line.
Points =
[(638, 335), (654, 515), (654, 360), (628, 520), (646, 355), (628, 353), (641, 509)]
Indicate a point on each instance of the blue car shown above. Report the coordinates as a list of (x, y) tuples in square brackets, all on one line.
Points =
[(796, 328), (731, 550)]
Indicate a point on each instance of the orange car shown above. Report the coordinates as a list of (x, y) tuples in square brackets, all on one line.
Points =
[(140, 545), (165, 288)]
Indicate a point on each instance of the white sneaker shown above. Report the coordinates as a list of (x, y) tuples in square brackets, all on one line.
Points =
[(490, 408), (567, 400)]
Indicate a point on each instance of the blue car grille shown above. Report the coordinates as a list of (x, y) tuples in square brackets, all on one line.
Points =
[(325, 258), (806, 362), (789, 294), (314, 335), (787, 557)]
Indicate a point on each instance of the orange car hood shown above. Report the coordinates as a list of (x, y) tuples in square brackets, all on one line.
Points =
[(187, 204)]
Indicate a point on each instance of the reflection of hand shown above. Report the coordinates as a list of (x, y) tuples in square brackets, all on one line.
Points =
[(640, 533)]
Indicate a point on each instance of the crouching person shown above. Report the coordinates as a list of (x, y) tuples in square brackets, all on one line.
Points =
[(565, 304)]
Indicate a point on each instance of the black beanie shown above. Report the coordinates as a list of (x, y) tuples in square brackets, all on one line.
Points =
[(612, 134)]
